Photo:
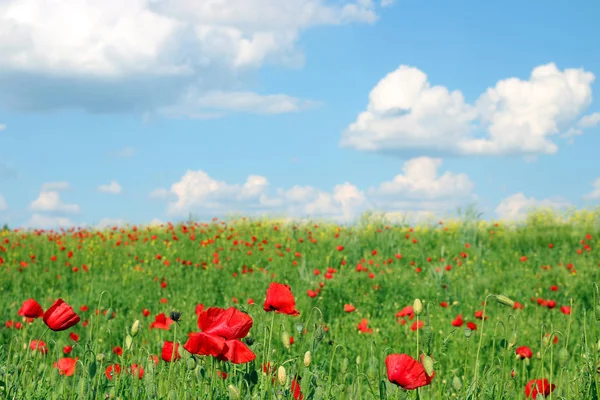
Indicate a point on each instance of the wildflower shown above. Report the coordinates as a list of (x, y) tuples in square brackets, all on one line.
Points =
[(406, 372), (38, 345), (349, 308), (280, 298), (538, 387), (161, 322), (66, 366), (170, 351), (60, 316), (523, 352), (31, 309)]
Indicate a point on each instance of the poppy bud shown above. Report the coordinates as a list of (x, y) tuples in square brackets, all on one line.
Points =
[(108, 314), (526, 362), (100, 357), (513, 341), (135, 328), (344, 366), (128, 342), (190, 363), (505, 300), (563, 356), (417, 307), (546, 341), (92, 368), (234, 392), (307, 359), (319, 333), (281, 375), (456, 383), (372, 372), (285, 338), (428, 365), (60, 316), (358, 360)]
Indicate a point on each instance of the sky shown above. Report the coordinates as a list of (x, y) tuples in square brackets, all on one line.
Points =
[(148, 111)]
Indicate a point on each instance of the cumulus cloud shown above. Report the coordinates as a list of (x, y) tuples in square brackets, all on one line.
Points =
[(518, 205), (420, 188), (49, 199), (406, 113), (113, 188), (142, 55), (3, 205), (595, 193)]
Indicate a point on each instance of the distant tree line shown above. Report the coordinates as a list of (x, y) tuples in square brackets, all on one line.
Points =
[(5, 227)]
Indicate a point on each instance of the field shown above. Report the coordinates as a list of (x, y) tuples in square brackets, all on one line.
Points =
[(456, 309)]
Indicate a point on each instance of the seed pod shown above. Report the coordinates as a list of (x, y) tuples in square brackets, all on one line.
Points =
[(563, 356), (456, 383), (234, 392), (307, 359), (299, 327), (358, 360), (417, 307), (92, 368), (505, 300), (468, 333), (108, 314), (100, 357), (281, 375), (135, 328), (190, 363), (428, 365)]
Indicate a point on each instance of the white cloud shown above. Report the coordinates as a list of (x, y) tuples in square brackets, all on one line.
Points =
[(46, 222), (142, 55), (387, 3), (595, 193), (586, 122), (56, 186), (109, 223), (213, 104), (160, 193), (518, 205), (125, 152), (406, 112), (3, 205), (49, 199), (420, 189), (2, 127), (113, 187)]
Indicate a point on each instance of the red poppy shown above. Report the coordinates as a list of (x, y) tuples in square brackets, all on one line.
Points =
[(349, 308), (66, 366), (458, 321), (31, 309), (311, 293), (444, 304), (472, 326), (161, 321), (538, 387), (199, 309), (565, 310), (280, 299), (112, 370), (67, 349), (406, 372), (146, 312), (74, 337), (118, 350), (523, 352), (406, 312), (415, 326), (222, 330), (296, 389), (170, 351), (363, 326), (60, 316), (136, 370), (38, 345), (479, 315)]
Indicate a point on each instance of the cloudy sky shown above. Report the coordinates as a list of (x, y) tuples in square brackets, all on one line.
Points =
[(147, 110)]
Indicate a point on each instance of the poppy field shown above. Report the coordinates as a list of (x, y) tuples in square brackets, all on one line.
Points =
[(267, 309)]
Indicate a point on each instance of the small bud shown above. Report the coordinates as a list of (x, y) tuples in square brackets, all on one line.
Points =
[(344, 366), (281, 375), (417, 307), (546, 341), (456, 383), (307, 359), (358, 360), (234, 392), (128, 342), (109, 314), (526, 362), (285, 339), (428, 365), (299, 327), (513, 341), (190, 363), (563, 357), (505, 300), (99, 357), (135, 328)]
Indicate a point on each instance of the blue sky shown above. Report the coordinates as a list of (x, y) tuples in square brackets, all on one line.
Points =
[(148, 110)]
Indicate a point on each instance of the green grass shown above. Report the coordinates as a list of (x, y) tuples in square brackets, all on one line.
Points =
[(124, 276)]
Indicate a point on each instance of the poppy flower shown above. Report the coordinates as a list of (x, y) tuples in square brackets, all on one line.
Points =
[(406, 372), (296, 390), (67, 349), (363, 326), (60, 316), (146, 312), (523, 352), (74, 337), (458, 321), (537, 387), (136, 370), (118, 350), (66, 366), (280, 299), (565, 310), (112, 371), (221, 331), (31, 309), (349, 308), (406, 312), (161, 321), (472, 326), (38, 345), (311, 293), (170, 351), (444, 304), (199, 309), (415, 326)]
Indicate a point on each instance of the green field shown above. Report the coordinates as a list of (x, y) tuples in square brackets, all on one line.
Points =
[(352, 286)]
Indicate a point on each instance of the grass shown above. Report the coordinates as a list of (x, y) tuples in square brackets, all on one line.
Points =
[(380, 270)]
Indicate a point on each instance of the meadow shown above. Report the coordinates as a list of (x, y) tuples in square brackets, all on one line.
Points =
[(266, 309)]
